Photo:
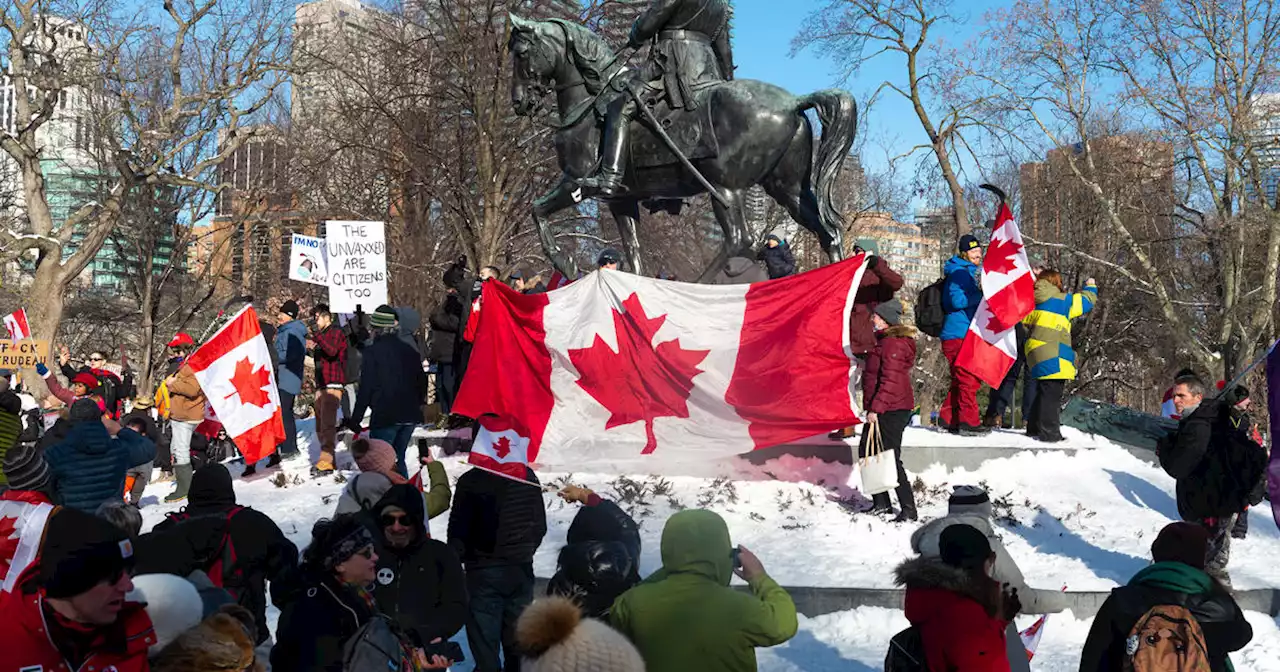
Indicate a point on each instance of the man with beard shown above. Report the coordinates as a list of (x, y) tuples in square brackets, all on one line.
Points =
[(420, 583)]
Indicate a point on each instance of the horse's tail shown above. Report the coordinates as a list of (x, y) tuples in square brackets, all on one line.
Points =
[(839, 116)]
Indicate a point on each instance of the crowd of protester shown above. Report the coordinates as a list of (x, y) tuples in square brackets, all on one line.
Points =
[(372, 588)]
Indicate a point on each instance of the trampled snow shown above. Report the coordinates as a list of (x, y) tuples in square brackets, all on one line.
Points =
[(1084, 520)]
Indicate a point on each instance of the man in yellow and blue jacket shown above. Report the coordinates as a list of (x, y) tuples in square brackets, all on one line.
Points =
[(1049, 352)]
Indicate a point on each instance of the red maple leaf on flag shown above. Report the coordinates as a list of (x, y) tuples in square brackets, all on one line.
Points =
[(502, 447), (251, 384), (1001, 256), (8, 547), (639, 382)]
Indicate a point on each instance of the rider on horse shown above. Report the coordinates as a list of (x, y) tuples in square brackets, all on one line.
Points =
[(691, 52)]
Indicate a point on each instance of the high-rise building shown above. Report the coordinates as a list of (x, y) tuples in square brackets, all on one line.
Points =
[(246, 246), (914, 255), (1135, 172), (75, 172), (1265, 145)]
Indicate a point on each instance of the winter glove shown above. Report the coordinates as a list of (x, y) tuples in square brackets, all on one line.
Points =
[(42, 369), (1010, 604), (872, 262)]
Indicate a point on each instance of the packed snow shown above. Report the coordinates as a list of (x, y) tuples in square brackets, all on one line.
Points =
[(1084, 520)]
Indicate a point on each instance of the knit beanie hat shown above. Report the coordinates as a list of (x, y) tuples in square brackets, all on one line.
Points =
[(1187, 543), (84, 410), (969, 499), (363, 491), (377, 456), (556, 638), (80, 551), (25, 468), (890, 311), (383, 317), (290, 308), (964, 547), (211, 487), (173, 604)]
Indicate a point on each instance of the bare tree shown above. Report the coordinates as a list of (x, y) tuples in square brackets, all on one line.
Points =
[(1196, 69), (855, 32), (157, 84)]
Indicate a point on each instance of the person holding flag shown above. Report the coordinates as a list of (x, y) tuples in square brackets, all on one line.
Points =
[(1049, 352)]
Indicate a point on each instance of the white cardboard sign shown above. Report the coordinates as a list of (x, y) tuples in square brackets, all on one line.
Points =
[(308, 261), (357, 265)]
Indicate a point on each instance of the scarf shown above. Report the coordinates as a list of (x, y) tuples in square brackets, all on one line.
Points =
[(1178, 577)]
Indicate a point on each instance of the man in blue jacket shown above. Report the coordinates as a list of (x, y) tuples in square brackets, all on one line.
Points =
[(392, 385), (291, 348), (89, 466), (961, 294)]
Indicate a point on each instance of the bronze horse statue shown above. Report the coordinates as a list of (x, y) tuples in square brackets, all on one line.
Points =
[(758, 134)]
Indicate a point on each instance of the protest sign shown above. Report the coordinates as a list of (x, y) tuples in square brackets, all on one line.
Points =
[(23, 354), (308, 261), (357, 265)]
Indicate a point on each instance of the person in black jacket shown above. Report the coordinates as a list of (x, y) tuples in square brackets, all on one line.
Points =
[(1193, 456), (393, 384), (193, 539), (446, 322), (777, 257), (602, 558), (495, 526), (1177, 579), (420, 582)]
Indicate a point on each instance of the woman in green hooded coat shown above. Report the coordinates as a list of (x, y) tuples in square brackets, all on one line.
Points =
[(686, 618)]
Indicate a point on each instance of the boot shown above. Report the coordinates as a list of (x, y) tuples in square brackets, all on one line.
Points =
[(991, 421), (274, 460), (181, 474), (907, 500), (881, 504), (613, 156), (1241, 529)]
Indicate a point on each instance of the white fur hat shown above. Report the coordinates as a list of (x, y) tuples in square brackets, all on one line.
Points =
[(556, 638), (173, 604)]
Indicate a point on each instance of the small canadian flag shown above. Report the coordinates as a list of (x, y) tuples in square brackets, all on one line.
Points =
[(16, 324), (501, 446), (234, 370), (22, 526)]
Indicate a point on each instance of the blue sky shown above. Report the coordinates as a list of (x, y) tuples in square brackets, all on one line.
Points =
[(763, 30)]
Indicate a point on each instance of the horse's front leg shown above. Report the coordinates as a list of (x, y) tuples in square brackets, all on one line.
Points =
[(627, 214)]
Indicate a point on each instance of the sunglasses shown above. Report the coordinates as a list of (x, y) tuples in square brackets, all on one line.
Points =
[(396, 519), (366, 552), (97, 359)]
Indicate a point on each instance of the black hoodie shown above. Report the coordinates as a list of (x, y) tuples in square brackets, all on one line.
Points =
[(192, 540), (421, 587)]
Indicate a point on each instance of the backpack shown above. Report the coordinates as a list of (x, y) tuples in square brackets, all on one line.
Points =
[(221, 564), (376, 647), (1237, 464), (1166, 639), (929, 313), (906, 652)]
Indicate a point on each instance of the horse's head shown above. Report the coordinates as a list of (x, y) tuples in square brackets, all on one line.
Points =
[(534, 56)]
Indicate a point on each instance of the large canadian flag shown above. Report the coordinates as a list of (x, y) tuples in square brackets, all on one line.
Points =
[(234, 370), (619, 368), (1008, 295)]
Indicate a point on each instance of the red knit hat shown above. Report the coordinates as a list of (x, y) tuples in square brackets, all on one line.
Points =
[(87, 379)]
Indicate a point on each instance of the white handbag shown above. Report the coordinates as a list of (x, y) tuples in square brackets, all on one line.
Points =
[(879, 468)]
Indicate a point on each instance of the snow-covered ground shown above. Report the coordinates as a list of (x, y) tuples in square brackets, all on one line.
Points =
[(1085, 521)]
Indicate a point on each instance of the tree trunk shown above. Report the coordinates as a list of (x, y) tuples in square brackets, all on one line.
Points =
[(45, 316)]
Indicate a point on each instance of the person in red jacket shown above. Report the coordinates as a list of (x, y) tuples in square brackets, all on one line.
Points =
[(70, 611), (329, 352), (960, 612), (878, 284), (888, 398)]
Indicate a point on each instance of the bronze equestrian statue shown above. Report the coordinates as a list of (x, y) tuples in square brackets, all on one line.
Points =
[(677, 126)]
